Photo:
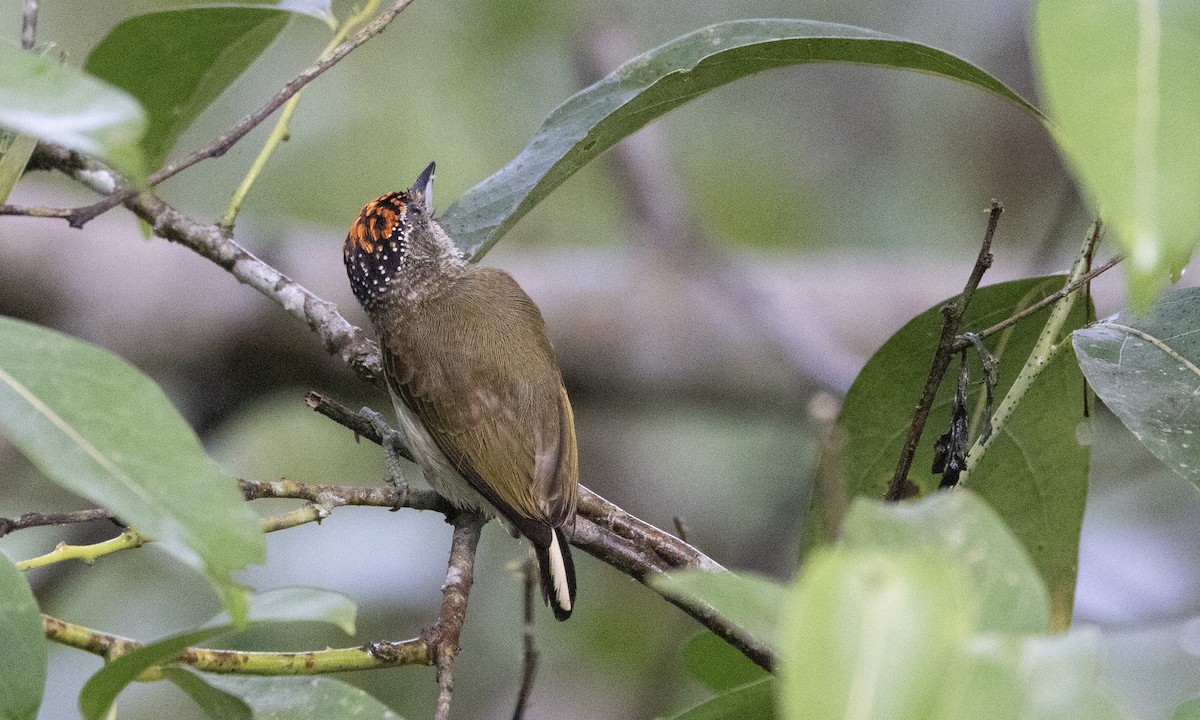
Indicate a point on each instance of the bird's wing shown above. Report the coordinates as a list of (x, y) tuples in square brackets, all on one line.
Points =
[(491, 397)]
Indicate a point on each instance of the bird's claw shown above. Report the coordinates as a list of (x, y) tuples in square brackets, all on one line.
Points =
[(388, 438)]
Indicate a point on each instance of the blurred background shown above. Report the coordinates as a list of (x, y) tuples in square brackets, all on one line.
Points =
[(712, 286)]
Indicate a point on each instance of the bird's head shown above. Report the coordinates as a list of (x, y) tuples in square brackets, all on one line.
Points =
[(397, 252)]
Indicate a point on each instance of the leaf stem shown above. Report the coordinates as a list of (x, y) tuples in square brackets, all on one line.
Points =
[(1048, 346), (280, 132), (87, 553)]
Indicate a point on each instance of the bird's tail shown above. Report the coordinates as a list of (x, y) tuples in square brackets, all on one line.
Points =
[(558, 574)]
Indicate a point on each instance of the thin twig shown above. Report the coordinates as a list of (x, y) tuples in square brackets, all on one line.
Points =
[(37, 212), (529, 574), (29, 25), (33, 519), (331, 660), (443, 638), (356, 422), (901, 487), (227, 140), (1050, 299), (334, 496), (680, 529)]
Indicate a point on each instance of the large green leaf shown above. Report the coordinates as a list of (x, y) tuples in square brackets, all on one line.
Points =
[(296, 698), (872, 635), (1035, 473), (750, 602), (665, 78), (282, 605), (1121, 87), (100, 428), (891, 634), (752, 700), (1033, 677), (177, 62), (23, 657), (1010, 593), (1189, 710), (718, 665), (217, 704), (45, 99), (15, 150), (1146, 368)]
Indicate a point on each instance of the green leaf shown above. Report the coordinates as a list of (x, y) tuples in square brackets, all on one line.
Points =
[(217, 704), (319, 9), (665, 78), (1121, 87), (1038, 677), (100, 428), (753, 700), (23, 658), (15, 150), (1061, 678), (47, 100), (719, 665), (752, 603), (982, 683), (871, 635), (177, 62), (1010, 593), (298, 604), (1146, 369), (301, 698), (1189, 710), (1035, 473), (283, 605)]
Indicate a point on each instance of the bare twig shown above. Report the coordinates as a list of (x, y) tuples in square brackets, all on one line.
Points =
[(33, 519), (529, 572), (443, 637), (37, 212), (227, 140), (29, 25), (1050, 299), (680, 528), (901, 487), (334, 496)]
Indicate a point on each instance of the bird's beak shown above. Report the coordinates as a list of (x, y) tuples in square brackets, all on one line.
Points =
[(424, 186)]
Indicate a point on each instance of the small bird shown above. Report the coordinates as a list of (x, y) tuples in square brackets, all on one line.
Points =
[(476, 387)]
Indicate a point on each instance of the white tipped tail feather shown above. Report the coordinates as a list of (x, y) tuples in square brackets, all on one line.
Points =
[(558, 574)]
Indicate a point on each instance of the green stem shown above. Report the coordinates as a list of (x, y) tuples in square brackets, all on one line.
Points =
[(215, 660), (280, 132), (1048, 346), (87, 553)]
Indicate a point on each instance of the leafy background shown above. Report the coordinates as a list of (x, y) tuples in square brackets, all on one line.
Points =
[(831, 189)]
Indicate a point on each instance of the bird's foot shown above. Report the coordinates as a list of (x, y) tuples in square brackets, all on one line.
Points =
[(390, 439)]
